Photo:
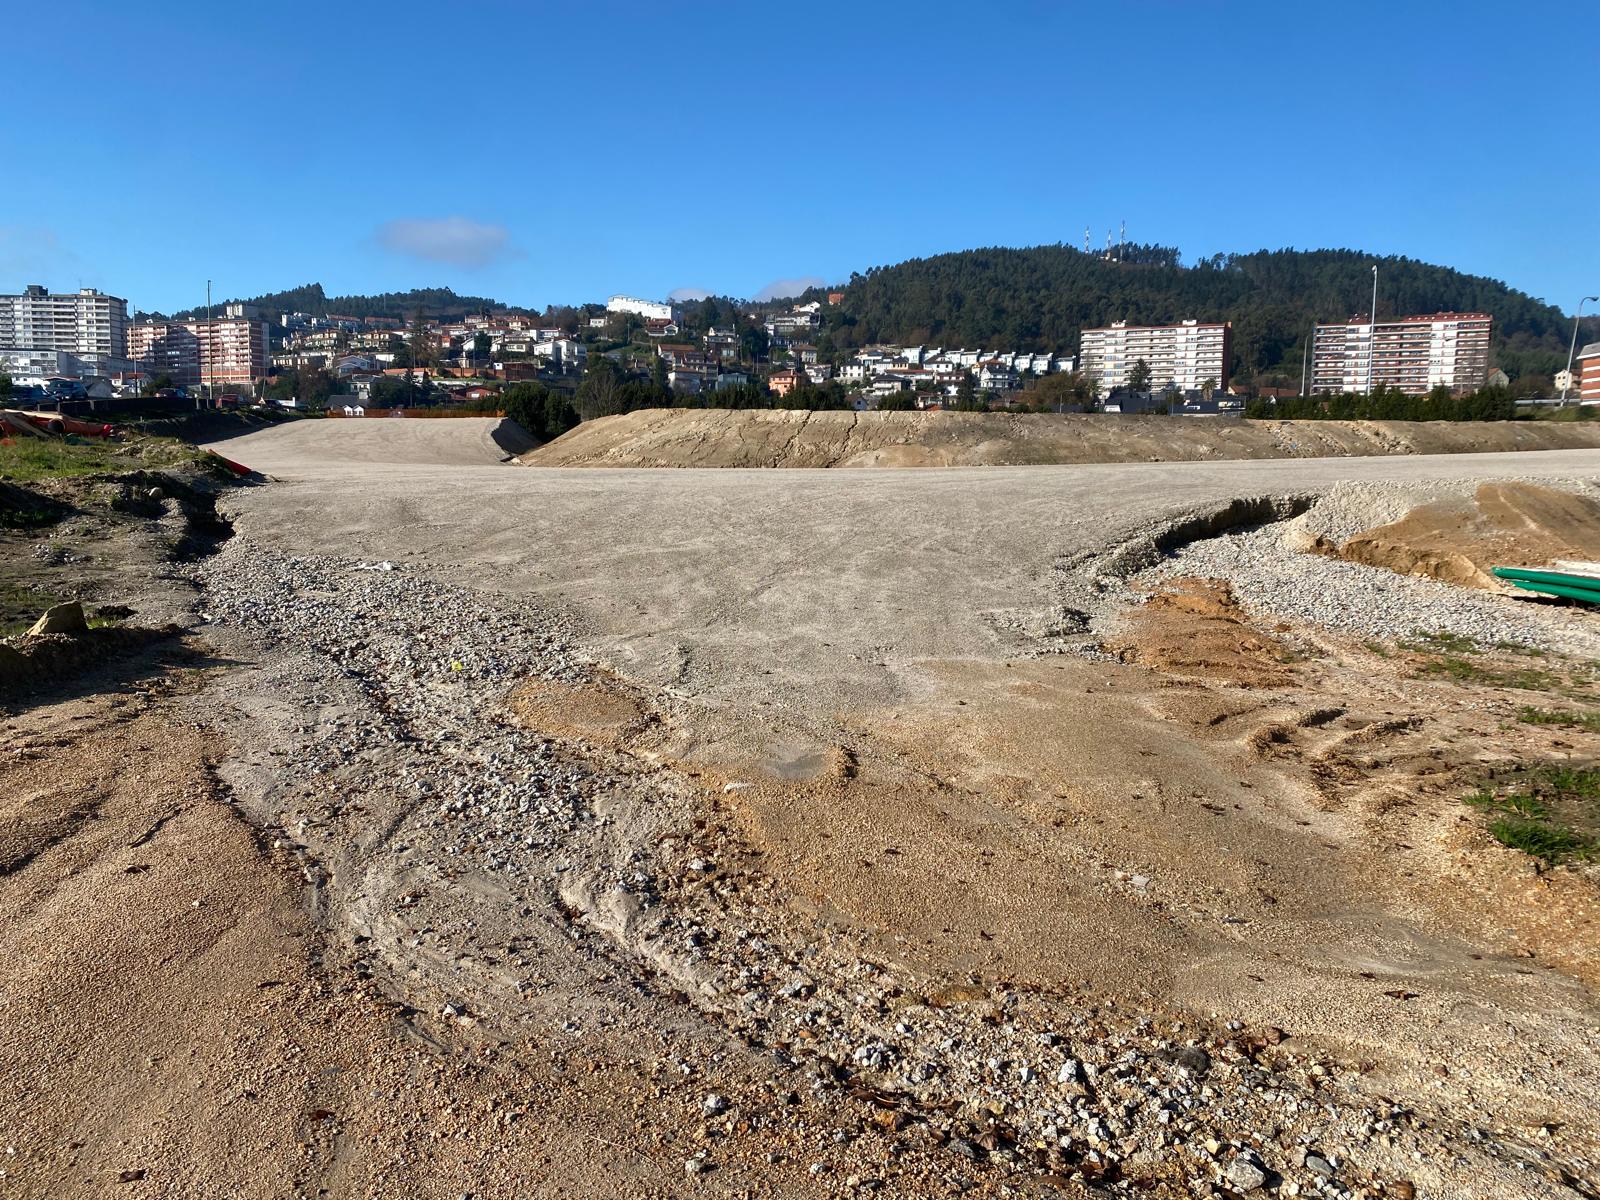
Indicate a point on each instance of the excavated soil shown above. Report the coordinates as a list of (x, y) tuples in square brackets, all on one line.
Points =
[(759, 438), (1461, 538)]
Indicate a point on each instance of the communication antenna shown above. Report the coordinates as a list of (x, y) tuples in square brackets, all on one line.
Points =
[(1122, 240), (1108, 243), (1086, 239)]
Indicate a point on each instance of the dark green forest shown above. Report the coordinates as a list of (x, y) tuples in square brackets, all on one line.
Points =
[(438, 304), (1040, 297)]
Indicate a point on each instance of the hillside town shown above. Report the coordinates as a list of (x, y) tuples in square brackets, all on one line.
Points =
[(84, 346)]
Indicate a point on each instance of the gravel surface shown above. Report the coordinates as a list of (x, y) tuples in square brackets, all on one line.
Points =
[(489, 872), (435, 828), (1271, 578)]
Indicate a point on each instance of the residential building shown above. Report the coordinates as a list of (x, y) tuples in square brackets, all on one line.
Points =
[(996, 376), (656, 310), (797, 324), (1587, 369), (1185, 355), (27, 365), (785, 381), (228, 351), (87, 322), (686, 382), (683, 355), (1414, 354)]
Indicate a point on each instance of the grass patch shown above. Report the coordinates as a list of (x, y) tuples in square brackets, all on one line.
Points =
[(1552, 813), (1458, 659), (1439, 643), (28, 460), (1463, 670), (1531, 715)]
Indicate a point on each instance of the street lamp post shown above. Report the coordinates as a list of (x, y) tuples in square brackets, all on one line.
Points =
[(1372, 331), (1573, 349)]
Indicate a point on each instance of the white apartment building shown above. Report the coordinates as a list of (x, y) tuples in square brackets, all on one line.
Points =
[(1186, 355), (226, 352), (650, 310), (85, 323), (1414, 354)]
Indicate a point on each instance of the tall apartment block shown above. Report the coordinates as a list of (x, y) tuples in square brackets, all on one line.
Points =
[(1186, 355), (1414, 354), (228, 351), (87, 324)]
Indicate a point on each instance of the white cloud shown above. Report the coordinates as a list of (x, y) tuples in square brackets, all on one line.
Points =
[(780, 289), (457, 241), (688, 293)]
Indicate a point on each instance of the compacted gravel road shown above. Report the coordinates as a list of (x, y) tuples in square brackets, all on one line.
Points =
[(830, 765)]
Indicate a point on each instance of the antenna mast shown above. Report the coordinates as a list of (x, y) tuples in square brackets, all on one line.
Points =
[(1122, 240)]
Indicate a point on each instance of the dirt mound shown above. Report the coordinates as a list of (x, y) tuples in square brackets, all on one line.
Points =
[(1193, 627), (300, 447), (1460, 538), (779, 438)]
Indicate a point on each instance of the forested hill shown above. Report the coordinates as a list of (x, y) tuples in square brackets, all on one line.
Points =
[(1040, 297), (439, 304)]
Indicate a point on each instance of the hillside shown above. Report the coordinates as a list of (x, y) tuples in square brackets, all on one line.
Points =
[(671, 437), (440, 304), (1039, 298)]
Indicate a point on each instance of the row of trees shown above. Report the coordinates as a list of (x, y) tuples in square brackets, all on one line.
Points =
[(1390, 404)]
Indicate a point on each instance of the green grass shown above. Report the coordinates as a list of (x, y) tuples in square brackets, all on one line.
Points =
[(1455, 658), (1463, 670), (28, 460), (1440, 642), (1550, 812), (1530, 715)]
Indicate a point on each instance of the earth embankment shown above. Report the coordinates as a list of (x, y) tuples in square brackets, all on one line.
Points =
[(660, 437)]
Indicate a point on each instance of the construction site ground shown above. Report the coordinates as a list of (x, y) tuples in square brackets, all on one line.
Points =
[(464, 828)]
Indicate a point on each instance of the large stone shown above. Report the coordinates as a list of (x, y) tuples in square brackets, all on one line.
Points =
[(1246, 1173), (60, 618)]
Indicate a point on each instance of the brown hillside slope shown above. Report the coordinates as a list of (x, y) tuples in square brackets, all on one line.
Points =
[(661, 437)]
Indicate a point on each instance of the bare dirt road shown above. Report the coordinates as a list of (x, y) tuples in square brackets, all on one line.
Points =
[(823, 833)]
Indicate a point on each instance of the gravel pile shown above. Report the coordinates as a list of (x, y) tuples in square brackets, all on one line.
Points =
[(489, 853), (1353, 507), (1272, 580)]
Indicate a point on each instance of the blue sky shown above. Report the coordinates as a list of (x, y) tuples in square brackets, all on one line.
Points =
[(546, 153)]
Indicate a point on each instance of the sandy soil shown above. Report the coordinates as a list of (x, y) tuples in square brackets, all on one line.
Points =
[(1462, 538), (822, 807), (720, 438)]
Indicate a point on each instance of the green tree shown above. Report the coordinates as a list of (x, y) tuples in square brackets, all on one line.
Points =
[(659, 381), (5, 386), (753, 343), (1059, 392), (1139, 377), (967, 394), (423, 353), (899, 402), (401, 349), (481, 342), (598, 392)]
